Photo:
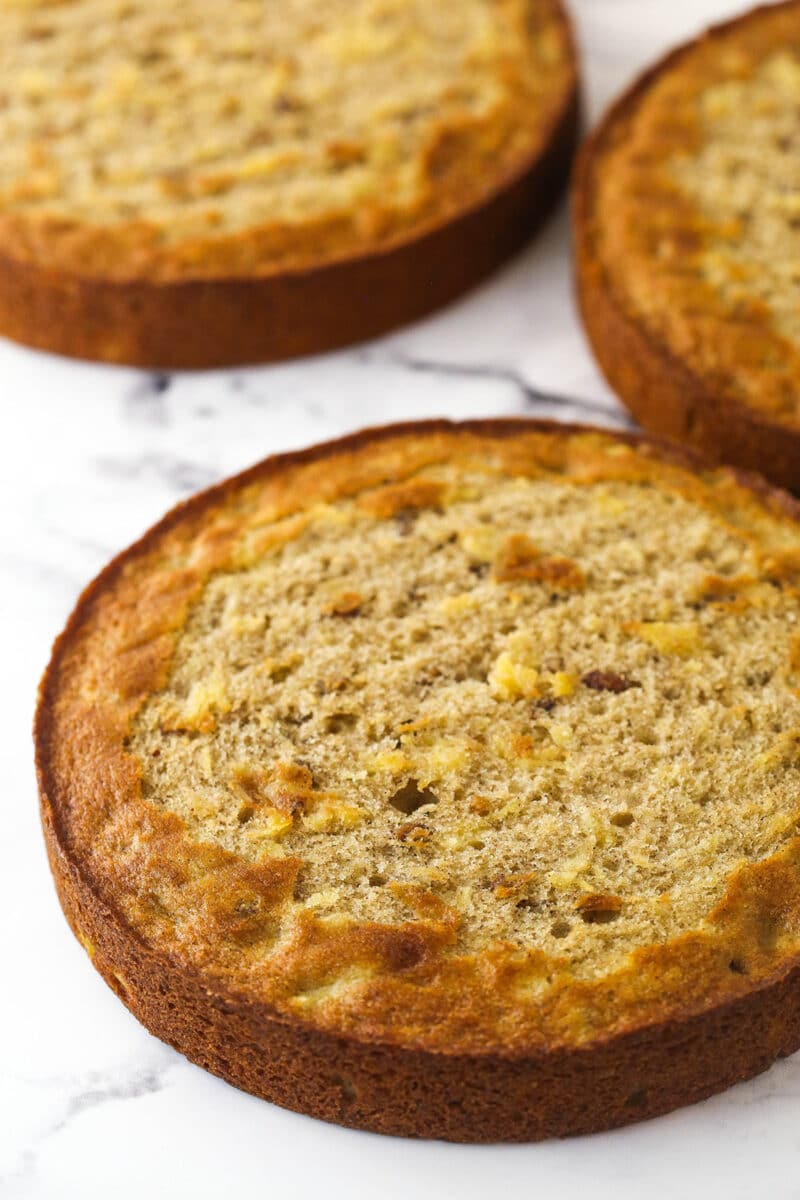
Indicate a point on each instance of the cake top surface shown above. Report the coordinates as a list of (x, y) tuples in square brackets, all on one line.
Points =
[(697, 209), (473, 737), (189, 139)]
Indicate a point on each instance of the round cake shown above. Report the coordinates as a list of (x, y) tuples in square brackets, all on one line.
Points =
[(198, 183), (687, 214), (443, 780)]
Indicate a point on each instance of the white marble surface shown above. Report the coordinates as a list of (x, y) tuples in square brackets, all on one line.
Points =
[(91, 1105)]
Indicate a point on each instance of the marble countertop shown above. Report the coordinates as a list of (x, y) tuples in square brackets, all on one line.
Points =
[(90, 1104)]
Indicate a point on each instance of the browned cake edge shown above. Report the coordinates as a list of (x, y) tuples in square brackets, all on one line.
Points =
[(656, 385), (648, 1069), (227, 321)]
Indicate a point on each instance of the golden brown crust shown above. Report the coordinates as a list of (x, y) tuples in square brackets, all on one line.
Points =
[(113, 294), (177, 927), (664, 388)]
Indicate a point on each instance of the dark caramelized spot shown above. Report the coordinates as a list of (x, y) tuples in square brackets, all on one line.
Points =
[(608, 681)]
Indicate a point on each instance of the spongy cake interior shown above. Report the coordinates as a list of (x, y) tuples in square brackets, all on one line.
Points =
[(201, 120), (566, 709)]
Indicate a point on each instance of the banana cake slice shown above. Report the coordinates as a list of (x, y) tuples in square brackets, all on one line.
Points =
[(687, 215), (198, 183), (443, 780)]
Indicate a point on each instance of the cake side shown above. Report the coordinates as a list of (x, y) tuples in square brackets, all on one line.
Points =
[(408, 1092), (201, 323), (680, 283)]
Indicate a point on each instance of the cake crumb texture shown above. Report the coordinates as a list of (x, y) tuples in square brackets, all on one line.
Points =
[(143, 140), (630, 727)]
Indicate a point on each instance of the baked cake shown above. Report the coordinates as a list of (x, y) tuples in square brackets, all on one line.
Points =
[(687, 215), (443, 780), (201, 183)]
